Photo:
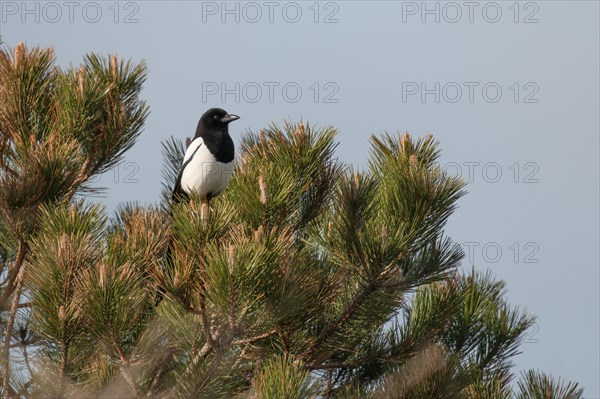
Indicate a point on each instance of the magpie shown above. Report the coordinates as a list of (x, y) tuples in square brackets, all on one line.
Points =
[(208, 161)]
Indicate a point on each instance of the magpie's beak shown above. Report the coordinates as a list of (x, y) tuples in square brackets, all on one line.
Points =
[(229, 118)]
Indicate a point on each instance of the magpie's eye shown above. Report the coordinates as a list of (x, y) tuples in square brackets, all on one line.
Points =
[(216, 117)]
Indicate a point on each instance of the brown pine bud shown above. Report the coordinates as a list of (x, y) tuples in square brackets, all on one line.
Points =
[(188, 141), (19, 51), (113, 65), (80, 76), (258, 233), (413, 160), (122, 114), (64, 241), (231, 257), (102, 275), (61, 312), (263, 189), (405, 142), (300, 131), (204, 213), (263, 137), (176, 279)]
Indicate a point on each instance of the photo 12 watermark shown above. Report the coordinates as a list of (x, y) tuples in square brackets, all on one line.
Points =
[(270, 92), (253, 12), (453, 12), (53, 12), (470, 92), (494, 252), (531, 336), (526, 172), (121, 173)]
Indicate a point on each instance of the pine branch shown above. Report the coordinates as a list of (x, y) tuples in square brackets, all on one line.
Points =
[(125, 367), (205, 323), (254, 339), (538, 385), (22, 267), (64, 368), (160, 372), (353, 307), (13, 272), (26, 360), (81, 178)]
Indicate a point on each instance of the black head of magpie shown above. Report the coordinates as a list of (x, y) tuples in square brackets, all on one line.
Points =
[(208, 161)]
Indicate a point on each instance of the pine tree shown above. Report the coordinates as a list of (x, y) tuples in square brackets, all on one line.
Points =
[(307, 278)]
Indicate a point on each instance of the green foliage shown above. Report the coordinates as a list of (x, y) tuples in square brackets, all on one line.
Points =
[(58, 128), (307, 278), (538, 385), (67, 243), (475, 334), (283, 377), (297, 167)]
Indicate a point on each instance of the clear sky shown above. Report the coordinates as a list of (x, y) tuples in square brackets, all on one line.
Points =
[(511, 89)]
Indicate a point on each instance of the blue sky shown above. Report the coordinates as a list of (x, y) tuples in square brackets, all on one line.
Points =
[(511, 89)]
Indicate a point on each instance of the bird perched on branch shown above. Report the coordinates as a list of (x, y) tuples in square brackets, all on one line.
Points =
[(208, 161)]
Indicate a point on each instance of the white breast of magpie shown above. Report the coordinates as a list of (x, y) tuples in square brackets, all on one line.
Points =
[(202, 173)]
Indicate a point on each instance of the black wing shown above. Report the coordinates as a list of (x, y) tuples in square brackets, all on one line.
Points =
[(178, 192)]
